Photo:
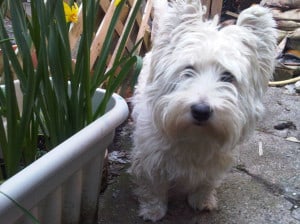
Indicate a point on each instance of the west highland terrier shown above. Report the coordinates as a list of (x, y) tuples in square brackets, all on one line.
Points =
[(199, 95)]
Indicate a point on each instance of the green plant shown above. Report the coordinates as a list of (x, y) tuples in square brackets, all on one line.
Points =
[(25, 211), (61, 105)]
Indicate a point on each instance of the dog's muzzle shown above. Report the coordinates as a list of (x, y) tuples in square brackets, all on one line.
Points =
[(201, 112)]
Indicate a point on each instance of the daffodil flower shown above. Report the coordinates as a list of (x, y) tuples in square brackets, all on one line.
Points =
[(117, 2), (71, 12)]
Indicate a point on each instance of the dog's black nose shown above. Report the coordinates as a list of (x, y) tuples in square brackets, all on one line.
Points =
[(201, 112)]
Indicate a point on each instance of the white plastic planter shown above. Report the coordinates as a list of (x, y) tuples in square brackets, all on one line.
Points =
[(63, 185)]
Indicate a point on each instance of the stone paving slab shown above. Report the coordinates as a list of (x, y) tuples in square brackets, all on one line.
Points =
[(262, 187)]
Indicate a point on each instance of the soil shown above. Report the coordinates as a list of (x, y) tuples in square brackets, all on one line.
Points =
[(118, 154)]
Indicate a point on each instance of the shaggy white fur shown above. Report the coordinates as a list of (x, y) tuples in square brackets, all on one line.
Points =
[(199, 95)]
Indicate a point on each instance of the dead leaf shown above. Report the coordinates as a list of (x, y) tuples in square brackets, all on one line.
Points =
[(293, 139)]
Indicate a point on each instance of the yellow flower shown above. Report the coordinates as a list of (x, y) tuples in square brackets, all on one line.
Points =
[(117, 2), (71, 12)]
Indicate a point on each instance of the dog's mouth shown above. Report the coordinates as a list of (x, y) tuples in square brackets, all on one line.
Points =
[(200, 123)]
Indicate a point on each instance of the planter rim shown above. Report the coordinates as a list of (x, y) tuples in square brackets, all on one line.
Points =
[(41, 173)]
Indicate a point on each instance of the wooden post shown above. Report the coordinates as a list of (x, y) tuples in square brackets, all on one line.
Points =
[(213, 7)]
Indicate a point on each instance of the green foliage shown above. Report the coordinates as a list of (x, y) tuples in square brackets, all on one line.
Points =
[(26, 212), (62, 105)]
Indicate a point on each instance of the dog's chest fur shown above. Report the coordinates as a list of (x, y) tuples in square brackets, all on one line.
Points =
[(193, 162)]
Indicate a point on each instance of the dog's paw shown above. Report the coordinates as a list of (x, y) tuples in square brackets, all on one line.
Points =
[(208, 203), (153, 212)]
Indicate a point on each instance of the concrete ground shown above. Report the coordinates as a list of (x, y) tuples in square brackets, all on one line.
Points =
[(262, 187)]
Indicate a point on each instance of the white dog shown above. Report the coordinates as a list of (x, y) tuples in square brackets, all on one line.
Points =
[(199, 95)]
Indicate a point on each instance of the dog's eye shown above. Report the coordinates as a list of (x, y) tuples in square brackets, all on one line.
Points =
[(188, 72), (227, 77)]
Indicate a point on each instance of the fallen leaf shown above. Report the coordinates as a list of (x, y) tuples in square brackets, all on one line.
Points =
[(293, 139)]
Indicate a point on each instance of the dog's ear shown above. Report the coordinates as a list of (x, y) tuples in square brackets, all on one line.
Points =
[(259, 21), (170, 14), (160, 8)]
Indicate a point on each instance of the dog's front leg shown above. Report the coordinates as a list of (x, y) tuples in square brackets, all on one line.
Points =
[(153, 198), (203, 198)]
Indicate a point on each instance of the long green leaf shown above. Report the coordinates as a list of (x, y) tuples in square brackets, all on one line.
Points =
[(128, 29), (5, 40), (100, 64), (13, 153), (114, 82), (3, 140), (25, 211), (28, 82)]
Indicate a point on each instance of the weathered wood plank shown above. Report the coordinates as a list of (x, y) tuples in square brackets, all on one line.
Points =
[(100, 34), (216, 8), (144, 24), (140, 29), (121, 37)]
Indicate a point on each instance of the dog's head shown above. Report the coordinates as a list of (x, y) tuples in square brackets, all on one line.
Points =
[(206, 79)]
